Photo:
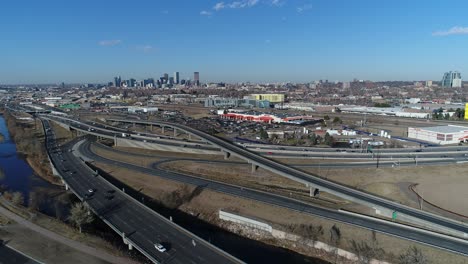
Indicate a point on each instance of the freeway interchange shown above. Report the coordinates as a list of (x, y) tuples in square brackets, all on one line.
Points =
[(342, 191), (139, 226), (451, 244), (387, 227)]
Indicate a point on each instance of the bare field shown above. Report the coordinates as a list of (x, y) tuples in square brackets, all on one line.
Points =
[(240, 174), (175, 155), (63, 135), (444, 186), (137, 160), (207, 204)]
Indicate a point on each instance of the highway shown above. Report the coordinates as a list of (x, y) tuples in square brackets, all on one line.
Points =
[(425, 218), (141, 226), (314, 180), (414, 234), (442, 155)]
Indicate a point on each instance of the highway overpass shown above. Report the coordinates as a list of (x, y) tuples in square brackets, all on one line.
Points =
[(139, 226), (381, 205)]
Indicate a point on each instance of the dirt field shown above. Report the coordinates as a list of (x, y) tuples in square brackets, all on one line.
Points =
[(207, 204), (442, 185)]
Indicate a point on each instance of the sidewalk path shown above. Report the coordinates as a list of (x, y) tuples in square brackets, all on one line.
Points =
[(66, 241)]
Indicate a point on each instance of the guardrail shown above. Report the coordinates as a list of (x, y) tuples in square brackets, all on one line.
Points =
[(91, 208), (143, 206), (371, 200)]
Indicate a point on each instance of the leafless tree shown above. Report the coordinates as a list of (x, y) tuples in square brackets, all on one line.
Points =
[(366, 252), (80, 215), (413, 255), (17, 198), (335, 239)]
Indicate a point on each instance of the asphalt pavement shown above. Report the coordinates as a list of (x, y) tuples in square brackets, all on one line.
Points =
[(416, 235), (141, 225)]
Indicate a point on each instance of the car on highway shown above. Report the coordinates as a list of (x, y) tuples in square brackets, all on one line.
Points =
[(160, 247), (91, 190)]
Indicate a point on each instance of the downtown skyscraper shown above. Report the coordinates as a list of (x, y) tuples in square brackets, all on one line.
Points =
[(196, 78), (176, 78)]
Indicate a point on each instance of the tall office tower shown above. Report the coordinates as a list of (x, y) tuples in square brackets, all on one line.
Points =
[(428, 83), (196, 78), (117, 81), (166, 77), (171, 80), (452, 79), (131, 82), (176, 77)]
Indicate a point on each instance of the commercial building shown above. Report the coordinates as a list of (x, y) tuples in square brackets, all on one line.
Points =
[(443, 135), (268, 117), (272, 98), (176, 78), (117, 81), (234, 102), (196, 78), (452, 80)]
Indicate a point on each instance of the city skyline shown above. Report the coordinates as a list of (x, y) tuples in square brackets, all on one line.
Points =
[(264, 41)]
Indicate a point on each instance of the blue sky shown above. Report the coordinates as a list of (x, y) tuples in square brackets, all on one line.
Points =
[(51, 41)]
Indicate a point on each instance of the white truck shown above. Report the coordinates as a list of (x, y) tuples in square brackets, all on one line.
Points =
[(124, 135)]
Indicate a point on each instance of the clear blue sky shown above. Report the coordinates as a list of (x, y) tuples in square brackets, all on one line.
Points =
[(50, 41)]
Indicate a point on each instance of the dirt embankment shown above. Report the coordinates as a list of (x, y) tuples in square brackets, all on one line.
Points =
[(30, 141), (206, 205)]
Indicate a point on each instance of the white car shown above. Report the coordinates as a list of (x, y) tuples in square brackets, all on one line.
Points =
[(91, 190), (160, 247)]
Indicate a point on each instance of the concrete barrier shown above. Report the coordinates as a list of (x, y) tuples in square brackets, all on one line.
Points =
[(223, 215)]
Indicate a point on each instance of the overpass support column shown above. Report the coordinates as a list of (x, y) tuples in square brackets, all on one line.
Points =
[(162, 128), (254, 168), (226, 155), (67, 187), (151, 128), (130, 246), (175, 132), (190, 136), (314, 192)]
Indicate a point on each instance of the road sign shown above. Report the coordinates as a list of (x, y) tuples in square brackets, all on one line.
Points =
[(394, 215)]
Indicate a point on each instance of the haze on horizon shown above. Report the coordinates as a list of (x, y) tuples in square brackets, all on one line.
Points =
[(232, 41)]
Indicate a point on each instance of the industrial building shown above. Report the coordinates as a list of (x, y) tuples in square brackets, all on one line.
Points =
[(234, 102), (268, 118), (272, 98), (443, 135)]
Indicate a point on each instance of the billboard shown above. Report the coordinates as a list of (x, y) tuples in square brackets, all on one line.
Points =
[(466, 112)]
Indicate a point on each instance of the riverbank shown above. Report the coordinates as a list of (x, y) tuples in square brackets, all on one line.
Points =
[(30, 142), (51, 241)]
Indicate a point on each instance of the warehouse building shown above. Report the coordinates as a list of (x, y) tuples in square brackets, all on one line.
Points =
[(443, 135)]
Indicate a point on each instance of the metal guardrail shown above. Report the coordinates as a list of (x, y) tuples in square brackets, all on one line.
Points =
[(146, 254), (199, 239)]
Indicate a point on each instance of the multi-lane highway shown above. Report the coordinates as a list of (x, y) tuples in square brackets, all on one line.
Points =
[(314, 180), (442, 155), (142, 227), (414, 234)]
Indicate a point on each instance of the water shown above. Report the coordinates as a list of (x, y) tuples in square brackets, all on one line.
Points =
[(20, 177)]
